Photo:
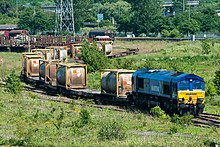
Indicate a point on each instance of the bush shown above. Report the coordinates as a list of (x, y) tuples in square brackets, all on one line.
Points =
[(216, 81), (175, 33), (95, 59), (205, 47), (211, 89), (165, 33), (214, 101), (159, 113), (184, 120), (110, 131), (13, 84)]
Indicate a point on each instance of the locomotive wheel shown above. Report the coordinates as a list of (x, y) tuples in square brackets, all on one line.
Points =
[(199, 111), (181, 112)]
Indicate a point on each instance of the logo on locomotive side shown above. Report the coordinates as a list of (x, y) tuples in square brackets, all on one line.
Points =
[(155, 88)]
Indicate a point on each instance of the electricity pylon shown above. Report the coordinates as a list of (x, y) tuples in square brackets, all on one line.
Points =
[(65, 17)]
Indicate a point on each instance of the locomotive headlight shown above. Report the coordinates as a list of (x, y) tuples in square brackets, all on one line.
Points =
[(181, 99), (200, 100)]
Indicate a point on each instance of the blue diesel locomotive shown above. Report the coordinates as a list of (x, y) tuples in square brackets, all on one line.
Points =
[(174, 92)]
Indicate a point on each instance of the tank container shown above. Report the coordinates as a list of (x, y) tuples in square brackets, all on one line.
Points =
[(116, 82), (71, 75), (31, 65)]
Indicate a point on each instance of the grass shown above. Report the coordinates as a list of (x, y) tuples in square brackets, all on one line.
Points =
[(32, 121), (27, 120)]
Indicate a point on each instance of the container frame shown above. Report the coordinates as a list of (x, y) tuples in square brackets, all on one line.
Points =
[(27, 73), (117, 73), (67, 66), (47, 79)]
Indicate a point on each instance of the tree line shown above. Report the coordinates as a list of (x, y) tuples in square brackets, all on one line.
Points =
[(136, 16)]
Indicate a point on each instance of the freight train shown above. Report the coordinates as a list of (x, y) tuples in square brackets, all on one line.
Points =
[(174, 92)]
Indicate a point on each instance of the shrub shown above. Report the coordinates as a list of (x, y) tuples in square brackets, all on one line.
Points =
[(175, 33), (159, 113), (217, 81), (214, 101), (165, 33), (184, 120), (211, 89), (110, 131), (13, 84), (95, 59), (205, 47)]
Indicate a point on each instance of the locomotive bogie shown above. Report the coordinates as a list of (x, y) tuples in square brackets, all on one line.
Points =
[(172, 91)]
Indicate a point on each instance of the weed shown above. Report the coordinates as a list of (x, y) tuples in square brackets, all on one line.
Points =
[(33, 96), (110, 131), (173, 130), (72, 105), (211, 143), (85, 116), (184, 120), (83, 120), (59, 119)]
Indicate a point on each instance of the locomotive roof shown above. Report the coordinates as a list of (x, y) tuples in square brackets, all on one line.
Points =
[(164, 75)]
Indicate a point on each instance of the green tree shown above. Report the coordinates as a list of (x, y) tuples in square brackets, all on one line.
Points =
[(5, 6), (95, 59), (82, 11), (36, 21), (189, 26), (145, 12)]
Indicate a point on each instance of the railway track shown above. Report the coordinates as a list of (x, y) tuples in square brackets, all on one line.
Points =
[(207, 120), (128, 52), (46, 95), (203, 120)]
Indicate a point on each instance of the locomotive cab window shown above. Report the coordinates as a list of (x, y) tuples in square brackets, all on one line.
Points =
[(166, 89), (198, 85), (140, 83), (184, 85)]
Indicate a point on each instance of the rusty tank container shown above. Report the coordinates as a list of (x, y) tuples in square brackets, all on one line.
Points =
[(116, 82), (23, 57), (48, 71), (31, 65), (71, 75)]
